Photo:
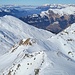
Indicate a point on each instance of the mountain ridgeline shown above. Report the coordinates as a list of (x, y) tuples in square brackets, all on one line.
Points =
[(52, 17), (52, 22), (27, 50)]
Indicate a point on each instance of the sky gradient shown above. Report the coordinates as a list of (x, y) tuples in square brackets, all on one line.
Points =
[(35, 2)]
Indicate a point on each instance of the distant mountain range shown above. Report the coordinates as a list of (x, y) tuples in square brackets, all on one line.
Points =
[(18, 11), (53, 17)]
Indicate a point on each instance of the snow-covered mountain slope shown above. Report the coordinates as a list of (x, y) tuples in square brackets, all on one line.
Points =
[(19, 62), (67, 9), (36, 51), (65, 42), (62, 52), (12, 30)]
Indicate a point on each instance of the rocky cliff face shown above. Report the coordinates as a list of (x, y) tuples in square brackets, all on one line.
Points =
[(51, 22), (59, 23)]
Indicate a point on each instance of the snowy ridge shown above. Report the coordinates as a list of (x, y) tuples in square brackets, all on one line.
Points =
[(68, 10), (65, 41), (36, 51), (12, 30), (23, 61)]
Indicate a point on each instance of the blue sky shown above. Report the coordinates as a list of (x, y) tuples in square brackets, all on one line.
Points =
[(36, 2)]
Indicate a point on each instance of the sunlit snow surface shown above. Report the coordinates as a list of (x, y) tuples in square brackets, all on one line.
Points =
[(39, 53), (67, 10)]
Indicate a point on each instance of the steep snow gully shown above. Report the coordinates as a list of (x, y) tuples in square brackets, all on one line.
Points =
[(26, 50)]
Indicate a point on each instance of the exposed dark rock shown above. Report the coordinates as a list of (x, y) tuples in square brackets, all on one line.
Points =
[(48, 22)]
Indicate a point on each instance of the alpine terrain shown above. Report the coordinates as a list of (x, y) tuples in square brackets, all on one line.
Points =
[(54, 17), (26, 50)]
